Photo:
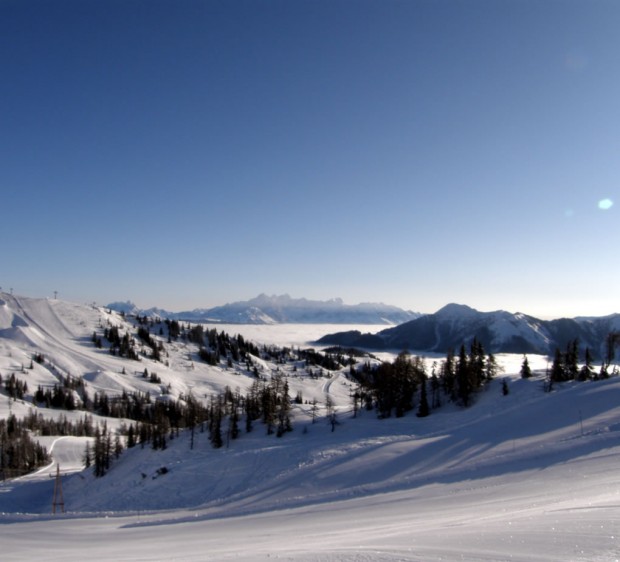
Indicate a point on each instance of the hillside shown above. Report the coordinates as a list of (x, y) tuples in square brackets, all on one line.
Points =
[(499, 332), (527, 475), (274, 309)]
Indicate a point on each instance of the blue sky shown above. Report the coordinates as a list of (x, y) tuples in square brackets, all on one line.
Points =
[(186, 154)]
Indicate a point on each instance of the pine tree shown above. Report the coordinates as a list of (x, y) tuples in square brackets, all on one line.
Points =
[(234, 422), (423, 409), (355, 401), (314, 410), (216, 433), (587, 370), (404, 382), (435, 387), (448, 376), (558, 372), (215, 425), (603, 373), (101, 453), (283, 415), (87, 456), (571, 362), (118, 446), (463, 381), (477, 365), (192, 418), (330, 408), (526, 371), (131, 436), (492, 368), (269, 404), (612, 340), (248, 415)]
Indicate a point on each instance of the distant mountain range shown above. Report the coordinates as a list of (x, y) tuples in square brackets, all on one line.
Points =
[(499, 332), (274, 309)]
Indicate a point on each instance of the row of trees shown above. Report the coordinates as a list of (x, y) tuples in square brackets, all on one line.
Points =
[(566, 364), (123, 346), (14, 387), (398, 387), (19, 453), (36, 423), (68, 395), (105, 446), (267, 402)]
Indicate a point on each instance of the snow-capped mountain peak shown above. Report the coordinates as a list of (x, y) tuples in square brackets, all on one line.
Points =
[(265, 309), (499, 331)]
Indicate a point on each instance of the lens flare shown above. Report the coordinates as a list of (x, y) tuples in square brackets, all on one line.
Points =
[(605, 204)]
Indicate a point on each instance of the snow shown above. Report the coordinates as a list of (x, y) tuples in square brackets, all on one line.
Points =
[(527, 476)]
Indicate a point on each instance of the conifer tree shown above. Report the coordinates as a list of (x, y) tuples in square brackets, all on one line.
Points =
[(216, 433), (526, 371), (87, 456), (558, 372), (314, 410), (330, 408), (423, 409), (248, 416), (463, 381), (191, 418), (215, 425), (571, 360), (587, 370), (404, 382), (234, 422), (476, 365), (118, 446), (603, 373), (492, 368), (131, 436), (101, 453), (612, 340), (355, 401), (448, 375), (284, 409)]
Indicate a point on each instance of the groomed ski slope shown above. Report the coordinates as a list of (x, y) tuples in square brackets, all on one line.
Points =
[(520, 483), (527, 476)]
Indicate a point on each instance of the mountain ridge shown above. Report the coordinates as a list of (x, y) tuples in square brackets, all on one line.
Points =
[(499, 332), (280, 309)]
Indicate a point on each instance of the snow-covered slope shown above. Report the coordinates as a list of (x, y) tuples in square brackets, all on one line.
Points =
[(529, 476), (62, 331), (526, 476), (525, 431)]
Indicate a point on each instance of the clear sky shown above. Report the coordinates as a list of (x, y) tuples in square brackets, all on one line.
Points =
[(186, 154)]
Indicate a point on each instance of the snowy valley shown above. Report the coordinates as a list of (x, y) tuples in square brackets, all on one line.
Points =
[(519, 474)]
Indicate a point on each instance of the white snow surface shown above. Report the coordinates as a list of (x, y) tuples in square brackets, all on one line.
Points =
[(527, 476)]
